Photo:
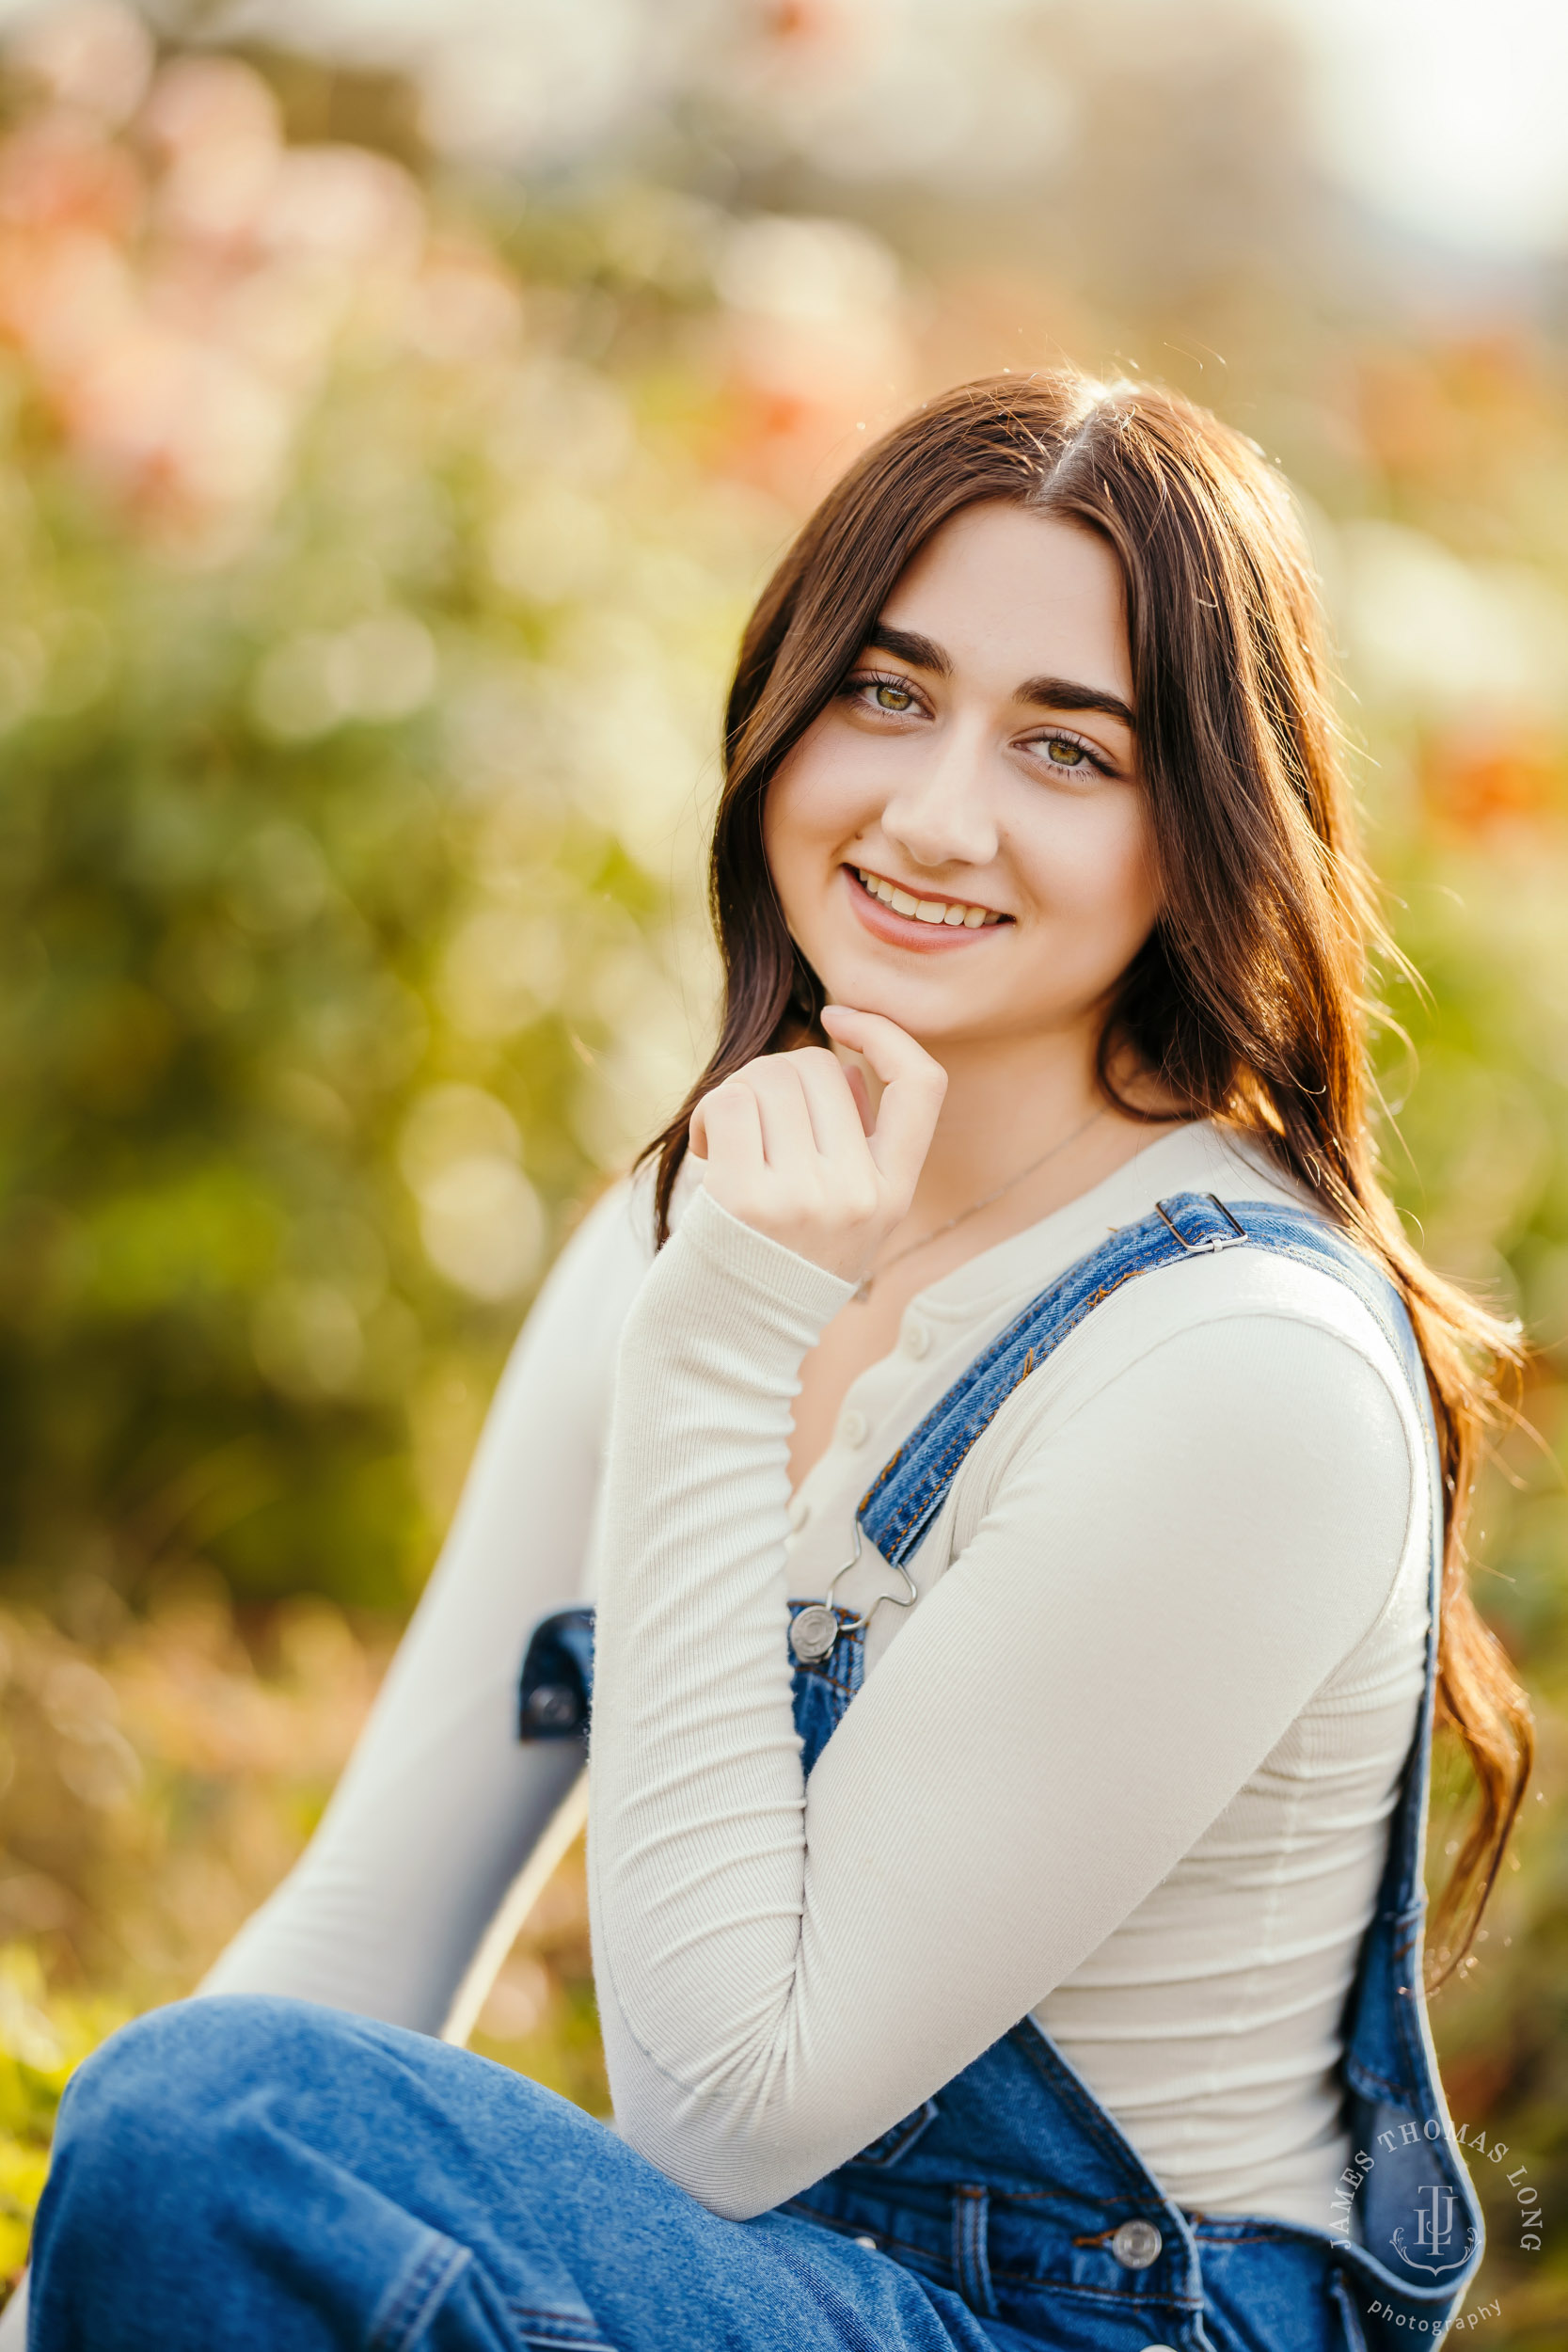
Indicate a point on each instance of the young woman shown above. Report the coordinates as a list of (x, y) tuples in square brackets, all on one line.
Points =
[(1021, 1943)]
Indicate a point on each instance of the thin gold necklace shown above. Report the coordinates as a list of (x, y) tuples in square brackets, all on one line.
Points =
[(863, 1287)]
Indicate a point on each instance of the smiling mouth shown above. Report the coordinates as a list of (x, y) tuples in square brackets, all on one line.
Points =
[(951, 913)]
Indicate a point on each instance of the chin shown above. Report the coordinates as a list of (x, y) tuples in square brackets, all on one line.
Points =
[(927, 1007)]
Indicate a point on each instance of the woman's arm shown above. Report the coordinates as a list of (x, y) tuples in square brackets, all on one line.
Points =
[(1156, 1591), (440, 1807)]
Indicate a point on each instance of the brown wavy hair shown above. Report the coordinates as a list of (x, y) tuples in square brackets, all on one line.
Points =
[(1249, 1001)]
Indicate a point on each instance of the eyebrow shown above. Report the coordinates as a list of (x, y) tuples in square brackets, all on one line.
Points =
[(1066, 693), (1047, 693)]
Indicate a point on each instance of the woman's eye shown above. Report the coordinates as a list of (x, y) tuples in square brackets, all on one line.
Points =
[(893, 694), (1066, 753)]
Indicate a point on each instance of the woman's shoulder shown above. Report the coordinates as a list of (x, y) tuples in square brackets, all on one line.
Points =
[(1285, 1349), (1276, 1389), (1255, 1303), (1235, 1397), (1256, 1279), (1213, 1286)]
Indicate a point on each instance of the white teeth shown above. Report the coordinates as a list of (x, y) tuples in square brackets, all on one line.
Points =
[(945, 911)]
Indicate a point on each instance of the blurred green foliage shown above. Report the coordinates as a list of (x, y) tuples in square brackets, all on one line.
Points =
[(352, 706)]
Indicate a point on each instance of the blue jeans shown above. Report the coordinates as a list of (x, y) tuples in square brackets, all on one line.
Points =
[(261, 2175)]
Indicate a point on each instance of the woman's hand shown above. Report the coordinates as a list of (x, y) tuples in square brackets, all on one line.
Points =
[(788, 1147)]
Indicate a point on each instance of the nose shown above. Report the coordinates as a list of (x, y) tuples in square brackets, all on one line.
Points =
[(940, 813)]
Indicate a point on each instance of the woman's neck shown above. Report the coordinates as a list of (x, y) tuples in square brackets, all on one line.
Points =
[(1029, 1112)]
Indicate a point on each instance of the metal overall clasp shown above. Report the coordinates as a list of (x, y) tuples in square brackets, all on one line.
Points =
[(816, 1629), (1211, 1241)]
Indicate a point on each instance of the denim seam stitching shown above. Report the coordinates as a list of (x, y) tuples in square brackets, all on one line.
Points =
[(432, 2276), (557, 2329)]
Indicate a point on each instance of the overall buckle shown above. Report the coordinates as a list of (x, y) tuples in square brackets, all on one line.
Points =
[(1207, 1245)]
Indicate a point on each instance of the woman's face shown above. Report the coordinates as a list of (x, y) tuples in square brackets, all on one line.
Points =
[(961, 840)]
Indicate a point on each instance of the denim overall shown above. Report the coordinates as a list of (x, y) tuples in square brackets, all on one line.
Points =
[(1011, 2184)]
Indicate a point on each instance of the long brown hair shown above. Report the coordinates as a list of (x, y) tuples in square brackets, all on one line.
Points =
[(1249, 1001)]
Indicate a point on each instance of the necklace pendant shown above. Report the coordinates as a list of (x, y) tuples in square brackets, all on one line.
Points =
[(813, 1633)]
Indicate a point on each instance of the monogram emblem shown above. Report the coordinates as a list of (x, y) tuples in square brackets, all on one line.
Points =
[(1435, 2232)]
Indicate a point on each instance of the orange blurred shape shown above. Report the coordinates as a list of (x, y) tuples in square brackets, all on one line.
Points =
[(1455, 409), (64, 298), (1485, 781), (818, 24), (791, 439), (798, 50), (172, 421), (771, 438), (58, 174), (1407, 419)]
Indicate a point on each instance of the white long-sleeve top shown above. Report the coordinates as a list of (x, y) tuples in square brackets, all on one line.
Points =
[(1128, 1763)]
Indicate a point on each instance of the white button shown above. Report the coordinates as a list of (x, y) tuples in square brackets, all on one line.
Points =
[(869, 2244), (1136, 2244), (916, 1338), (799, 1512), (852, 1428)]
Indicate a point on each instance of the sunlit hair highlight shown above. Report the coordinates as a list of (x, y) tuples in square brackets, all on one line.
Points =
[(1249, 1002)]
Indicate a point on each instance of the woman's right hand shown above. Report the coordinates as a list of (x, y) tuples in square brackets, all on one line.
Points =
[(789, 1151)]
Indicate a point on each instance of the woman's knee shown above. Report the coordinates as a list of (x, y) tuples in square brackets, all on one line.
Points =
[(144, 2122), (178, 2069), (207, 2156)]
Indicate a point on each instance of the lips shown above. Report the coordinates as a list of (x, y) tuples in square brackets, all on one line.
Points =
[(931, 925), (924, 909), (927, 909)]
